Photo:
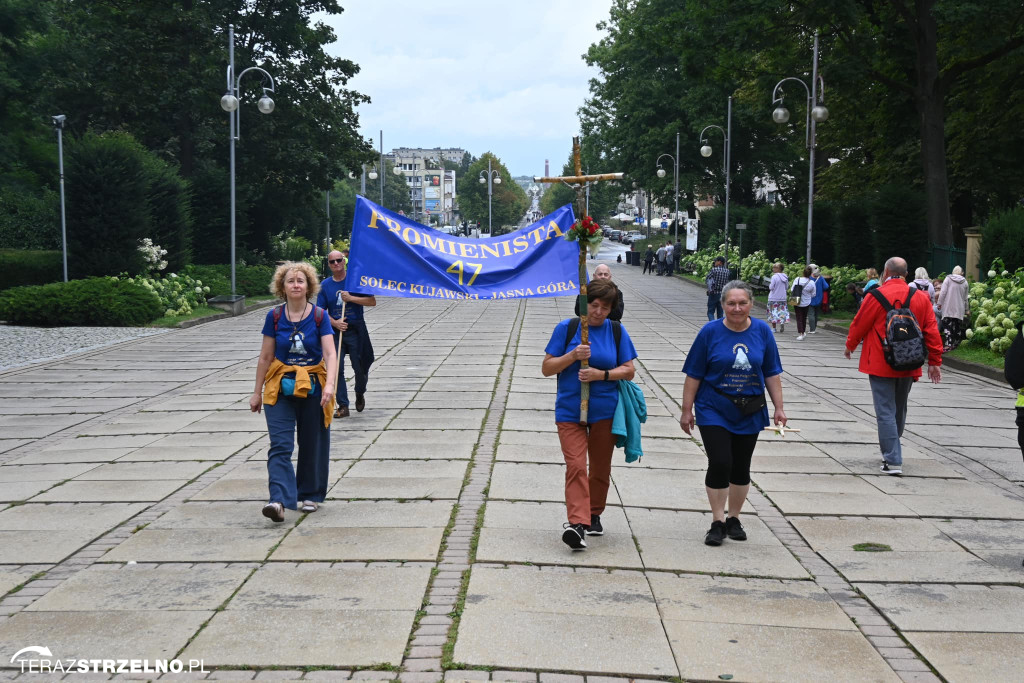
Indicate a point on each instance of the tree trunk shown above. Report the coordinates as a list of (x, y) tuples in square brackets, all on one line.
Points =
[(929, 97)]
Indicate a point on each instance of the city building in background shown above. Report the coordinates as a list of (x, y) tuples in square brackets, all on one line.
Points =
[(431, 188)]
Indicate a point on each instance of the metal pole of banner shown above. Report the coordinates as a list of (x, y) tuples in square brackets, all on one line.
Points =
[(382, 173)]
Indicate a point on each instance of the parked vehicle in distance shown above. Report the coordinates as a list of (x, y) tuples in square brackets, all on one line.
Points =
[(635, 235), (615, 235)]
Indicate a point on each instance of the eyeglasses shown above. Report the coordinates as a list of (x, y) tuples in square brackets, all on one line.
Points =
[(335, 260)]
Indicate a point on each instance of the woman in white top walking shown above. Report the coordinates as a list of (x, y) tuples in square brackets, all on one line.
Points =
[(803, 291), (778, 308)]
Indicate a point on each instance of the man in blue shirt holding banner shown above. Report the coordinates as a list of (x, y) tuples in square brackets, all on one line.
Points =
[(355, 340)]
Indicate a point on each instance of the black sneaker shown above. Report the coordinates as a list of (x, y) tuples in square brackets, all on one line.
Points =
[(891, 469), (360, 403), (734, 529), (574, 535), (595, 526), (716, 534)]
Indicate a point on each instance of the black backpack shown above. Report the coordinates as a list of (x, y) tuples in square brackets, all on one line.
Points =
[(574, 325), (903, 344), (1014, 367)]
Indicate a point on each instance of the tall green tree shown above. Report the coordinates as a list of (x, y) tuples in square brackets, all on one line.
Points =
[(508, 201)]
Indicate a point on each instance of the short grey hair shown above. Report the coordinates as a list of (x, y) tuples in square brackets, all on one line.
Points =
[(921, 274), (957, 270), (738, 284)]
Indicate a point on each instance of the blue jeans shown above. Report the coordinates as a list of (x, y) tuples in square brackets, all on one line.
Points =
[(350, 347), (890, 396), (715, 306), (308, 481)]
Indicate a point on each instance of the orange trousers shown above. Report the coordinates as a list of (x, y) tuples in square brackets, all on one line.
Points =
[(585, 495)]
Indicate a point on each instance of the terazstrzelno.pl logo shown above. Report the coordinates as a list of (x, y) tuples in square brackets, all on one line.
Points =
[(39, 659)]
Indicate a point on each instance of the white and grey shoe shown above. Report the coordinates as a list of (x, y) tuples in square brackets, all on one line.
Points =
[(891, 469)]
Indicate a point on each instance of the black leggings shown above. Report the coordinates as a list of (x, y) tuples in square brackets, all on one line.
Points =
[(728, 456)]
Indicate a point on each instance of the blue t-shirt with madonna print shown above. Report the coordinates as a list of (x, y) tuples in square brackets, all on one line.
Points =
[(736, 363), (297, 343), (604, 355)]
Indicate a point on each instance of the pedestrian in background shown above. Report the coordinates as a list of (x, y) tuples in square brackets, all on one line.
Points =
[(669, 258), (890, 388), (728, 368), (872, 276), (803, 292), (778, 293), (295, 378), (648, 261), (661, 259), (821, 286), (923, 283), (857, 293), (717, 277), (677, 255), (603, 272), (954, 307), (610, 353)]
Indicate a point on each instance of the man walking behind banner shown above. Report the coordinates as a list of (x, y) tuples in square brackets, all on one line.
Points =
[(355, 342), (890, 388)]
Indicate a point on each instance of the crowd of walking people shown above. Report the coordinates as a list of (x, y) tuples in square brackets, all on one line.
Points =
[(733, 360)]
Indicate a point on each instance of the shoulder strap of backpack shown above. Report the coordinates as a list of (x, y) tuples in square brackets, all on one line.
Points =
[(278, 310), (881, 299), (318, 315), (574, 324)]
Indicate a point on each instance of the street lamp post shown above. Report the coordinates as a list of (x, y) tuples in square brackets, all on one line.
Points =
[(675, 180), (229, 103), (492, 177), (58, 123), (706, 151), (816, 113)]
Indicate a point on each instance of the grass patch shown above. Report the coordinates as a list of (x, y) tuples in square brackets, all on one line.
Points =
[(981, 356), (173, 320), (872, 548)]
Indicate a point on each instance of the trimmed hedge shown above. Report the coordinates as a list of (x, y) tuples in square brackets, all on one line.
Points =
[(96, 301), (249, 280), (22, 267), (1003, 237)]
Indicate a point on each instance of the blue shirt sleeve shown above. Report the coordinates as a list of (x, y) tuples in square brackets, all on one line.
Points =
[(268, 323), (557, 346), (697, 358), (321, 297), (325, 324)]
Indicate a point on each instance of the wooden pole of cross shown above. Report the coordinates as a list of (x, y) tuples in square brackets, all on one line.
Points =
[(579, 183)]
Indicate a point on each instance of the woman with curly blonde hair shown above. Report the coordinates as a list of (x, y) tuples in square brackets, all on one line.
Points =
[(295, 382)]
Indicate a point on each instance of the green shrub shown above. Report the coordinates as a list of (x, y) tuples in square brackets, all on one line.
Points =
[(95, 302), (1003, 237), (249, 280), (898, 227), (107, 208), (22, 267), (851, 243), (29, 220), (168, 197)]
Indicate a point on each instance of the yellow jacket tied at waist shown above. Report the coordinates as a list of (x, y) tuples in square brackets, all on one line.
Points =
[(303, 385)]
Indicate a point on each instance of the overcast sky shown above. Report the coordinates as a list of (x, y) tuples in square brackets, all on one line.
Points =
[(485, 76)]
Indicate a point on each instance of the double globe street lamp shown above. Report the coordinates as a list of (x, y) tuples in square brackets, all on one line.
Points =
[(675, 181), (816, 113), (229, 103), (706, 151), (491, 178)]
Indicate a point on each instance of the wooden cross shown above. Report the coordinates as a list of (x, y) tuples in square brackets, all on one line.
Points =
[(578, 182)]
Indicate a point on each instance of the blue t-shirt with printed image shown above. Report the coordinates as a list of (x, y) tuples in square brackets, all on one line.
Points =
[(297, 343), (330, 299), (604, 355), (736, 363)]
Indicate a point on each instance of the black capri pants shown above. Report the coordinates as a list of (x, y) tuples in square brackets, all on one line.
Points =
[(728, 456)]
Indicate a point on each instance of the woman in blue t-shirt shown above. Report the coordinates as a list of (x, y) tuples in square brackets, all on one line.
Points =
[(295, 382), (610, 361), (728, 367)]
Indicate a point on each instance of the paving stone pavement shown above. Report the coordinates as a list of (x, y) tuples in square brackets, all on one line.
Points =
[(131, 480)]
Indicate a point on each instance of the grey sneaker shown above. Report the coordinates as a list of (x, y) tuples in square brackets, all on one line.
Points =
[(891, 469)]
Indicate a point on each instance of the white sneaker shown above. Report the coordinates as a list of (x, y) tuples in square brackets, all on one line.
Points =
[(812, 332), (800, 337)]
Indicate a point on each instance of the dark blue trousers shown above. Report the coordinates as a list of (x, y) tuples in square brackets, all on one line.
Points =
[(308, 480), (350, 347)]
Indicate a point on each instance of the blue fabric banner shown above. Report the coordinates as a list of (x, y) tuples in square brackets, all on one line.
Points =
[(391, 255)]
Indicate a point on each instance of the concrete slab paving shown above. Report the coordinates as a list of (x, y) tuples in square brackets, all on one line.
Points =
[(913, 566), (105, 634), (315, 586), (133, 588), (23, 490), (971, 656), (675, 489), (219, 515), (965, 608), (80, 491), (706, 652), (341, 544), (198, 545), (843, 533), (836, 503)]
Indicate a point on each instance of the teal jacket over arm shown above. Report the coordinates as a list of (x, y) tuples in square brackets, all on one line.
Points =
[(630, 413)]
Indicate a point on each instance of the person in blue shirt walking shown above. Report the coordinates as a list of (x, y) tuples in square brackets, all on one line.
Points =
[(610, 360), (820, 287), (728, 367), (295, 385), (355, 342)]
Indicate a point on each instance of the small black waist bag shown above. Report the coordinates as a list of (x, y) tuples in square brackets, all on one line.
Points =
[(747, 405)]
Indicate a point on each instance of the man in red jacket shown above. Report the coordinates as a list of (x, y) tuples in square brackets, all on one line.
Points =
[(891, 388)]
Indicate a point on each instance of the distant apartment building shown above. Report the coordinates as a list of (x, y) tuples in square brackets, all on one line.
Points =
[(431, 188)]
